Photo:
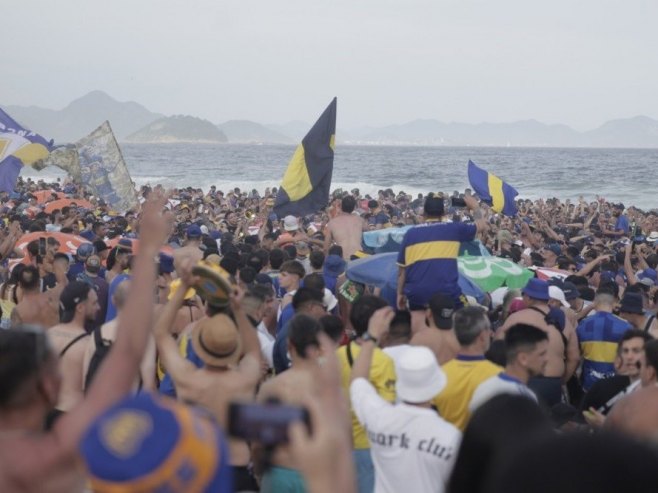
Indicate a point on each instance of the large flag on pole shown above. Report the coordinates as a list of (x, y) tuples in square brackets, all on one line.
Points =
[(96, 162), (305, 186), (492, 190), (18, 147)]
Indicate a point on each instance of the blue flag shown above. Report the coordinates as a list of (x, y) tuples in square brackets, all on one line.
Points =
[(18, 147), (492, 190), (305, 186)]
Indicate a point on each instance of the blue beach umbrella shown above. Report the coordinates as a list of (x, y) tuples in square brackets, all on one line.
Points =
[(381, 271)]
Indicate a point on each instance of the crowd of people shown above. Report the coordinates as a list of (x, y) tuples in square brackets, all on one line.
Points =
[(202, 343)]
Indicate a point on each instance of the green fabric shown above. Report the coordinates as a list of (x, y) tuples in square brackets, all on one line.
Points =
[(282, 480), (490, 273)]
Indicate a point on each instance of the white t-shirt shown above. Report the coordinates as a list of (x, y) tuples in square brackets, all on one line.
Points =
[(413, 448), (496, 385), (266, 344)]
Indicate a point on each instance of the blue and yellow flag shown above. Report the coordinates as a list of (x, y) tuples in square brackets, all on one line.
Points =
[(492, 190), (305, 186), (18, 147)]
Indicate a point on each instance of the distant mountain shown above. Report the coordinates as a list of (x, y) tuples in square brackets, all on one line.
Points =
[(178, 129), (82, 116), (639, 131), (248, 132), (433, 132)]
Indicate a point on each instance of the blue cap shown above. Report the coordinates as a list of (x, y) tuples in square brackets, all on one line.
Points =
[(193, 231), (85, 250), (152, 443), (537, 289), (166, 263), (87, 235)]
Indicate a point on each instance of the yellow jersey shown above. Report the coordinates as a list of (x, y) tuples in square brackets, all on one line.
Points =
[(464, 374), (382, 377)]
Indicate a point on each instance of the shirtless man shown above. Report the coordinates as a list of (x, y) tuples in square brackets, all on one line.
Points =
[(37, 308), (108, 333), (32, 460), (563, 352), (191, 249), (345, 229), (293, 387), (439, 336), (221, 379), (78, 304)]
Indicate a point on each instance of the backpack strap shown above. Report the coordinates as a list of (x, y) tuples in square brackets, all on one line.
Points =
[(348, 353), (68, 346), (565, 341)]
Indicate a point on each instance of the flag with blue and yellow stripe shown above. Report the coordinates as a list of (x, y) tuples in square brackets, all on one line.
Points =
[(18, 147), (492, 190), (305, 186)]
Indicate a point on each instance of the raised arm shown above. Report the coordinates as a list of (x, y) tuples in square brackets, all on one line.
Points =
[(628, 268), (118, 370)]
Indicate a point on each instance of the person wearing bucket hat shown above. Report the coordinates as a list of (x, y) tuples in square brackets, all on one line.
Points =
[(631, 309), (417, 448), (563, 351), (229, 357), (34, 459), (143, 442)]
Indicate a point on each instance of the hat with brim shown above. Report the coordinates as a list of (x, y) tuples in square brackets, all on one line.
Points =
[(536, 289), (216, 341), (213, 285), (290, 223), (556, 293), (632, 303), (653, 237), (144, 442), (419, 376), (334, 265)]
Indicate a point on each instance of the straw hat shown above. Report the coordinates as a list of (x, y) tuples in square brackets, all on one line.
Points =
[(216, 341)]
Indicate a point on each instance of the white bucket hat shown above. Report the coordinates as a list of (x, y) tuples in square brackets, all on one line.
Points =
[(290, 223), (419, 376)]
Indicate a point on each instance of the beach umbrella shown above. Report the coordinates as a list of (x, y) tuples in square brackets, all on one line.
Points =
[(43, 195), (381, 271), (490, 273), (68, 243), (58, 204)]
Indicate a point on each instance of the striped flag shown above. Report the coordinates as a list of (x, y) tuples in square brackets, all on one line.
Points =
[(492, 190)]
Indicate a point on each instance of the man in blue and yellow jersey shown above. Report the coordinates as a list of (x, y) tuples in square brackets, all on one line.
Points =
[(469, 368), (428, 258), (381, 377), (599, 336)]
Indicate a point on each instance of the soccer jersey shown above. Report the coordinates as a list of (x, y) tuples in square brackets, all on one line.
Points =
[(500, 384), (429, 255), (599, 336), (382, 377), (465, 374)]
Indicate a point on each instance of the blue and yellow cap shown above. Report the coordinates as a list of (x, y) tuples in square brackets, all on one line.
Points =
[(152, 443)]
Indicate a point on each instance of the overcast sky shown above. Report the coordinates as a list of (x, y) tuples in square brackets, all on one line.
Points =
[(579, 62)]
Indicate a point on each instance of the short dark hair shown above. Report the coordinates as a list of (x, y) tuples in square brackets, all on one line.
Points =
[(522, 337), (362, 310), (315, 281), (651, 354), (470, 322), (400, 327), (28, 279), (333, 326), (347, 204), (23, 351), (633, 334), (316, 258), (293, 267), (303, 333), (277, 257), (306, 295)]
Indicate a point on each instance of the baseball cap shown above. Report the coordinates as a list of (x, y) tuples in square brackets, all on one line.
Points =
[(193, 231), (290, 223), (72, 295), (149, 442), (555, 293), (166, 263), (444, 306), (85, 250), (93, 264), (419, 376), (125, 245)]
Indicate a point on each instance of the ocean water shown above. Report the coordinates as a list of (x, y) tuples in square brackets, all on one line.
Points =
[(626, 175)]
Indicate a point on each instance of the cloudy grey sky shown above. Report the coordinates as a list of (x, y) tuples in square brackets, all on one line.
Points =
[(579, 62)]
